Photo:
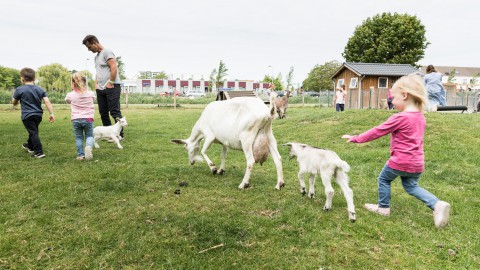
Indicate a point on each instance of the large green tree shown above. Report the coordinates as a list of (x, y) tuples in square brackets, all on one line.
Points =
[(387, 38), (9, 78), (54, 77), (319, 78)]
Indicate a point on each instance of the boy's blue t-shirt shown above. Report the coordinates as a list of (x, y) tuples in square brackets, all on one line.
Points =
[(30, 96)]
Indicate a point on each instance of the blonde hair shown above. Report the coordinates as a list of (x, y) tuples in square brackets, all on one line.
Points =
[(414, 86), (79, 82)]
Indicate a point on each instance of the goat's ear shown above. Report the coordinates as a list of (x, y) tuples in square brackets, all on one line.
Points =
[(288, 144), (117, 119), (178, 141)]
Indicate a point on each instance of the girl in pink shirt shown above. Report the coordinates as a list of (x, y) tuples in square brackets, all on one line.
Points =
[(406, 149), (81, 103)]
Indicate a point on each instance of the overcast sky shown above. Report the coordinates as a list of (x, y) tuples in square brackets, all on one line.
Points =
[(190, 37)]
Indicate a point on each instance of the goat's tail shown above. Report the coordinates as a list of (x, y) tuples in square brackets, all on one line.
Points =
[(343, 165), (273, 107), (340, 174)]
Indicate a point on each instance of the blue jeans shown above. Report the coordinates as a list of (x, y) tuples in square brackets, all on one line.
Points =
[(410, 184), (81, 126)]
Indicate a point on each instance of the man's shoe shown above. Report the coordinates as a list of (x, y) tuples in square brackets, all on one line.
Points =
[(39, 155), (25, 146)]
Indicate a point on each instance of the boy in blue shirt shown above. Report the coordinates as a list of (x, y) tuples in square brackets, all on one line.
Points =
[(31, 96)]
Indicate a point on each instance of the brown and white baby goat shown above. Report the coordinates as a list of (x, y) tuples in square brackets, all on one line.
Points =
[(281, 104), (327, 164)]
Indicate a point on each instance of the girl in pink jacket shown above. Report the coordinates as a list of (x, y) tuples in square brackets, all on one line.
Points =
[(406, 149)]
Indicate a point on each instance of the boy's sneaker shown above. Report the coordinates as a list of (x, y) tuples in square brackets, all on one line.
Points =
[(88, 153), (25, 146), (39, 155), (441, 213)]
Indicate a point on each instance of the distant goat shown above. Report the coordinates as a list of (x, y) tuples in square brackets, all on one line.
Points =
[(281, 104), (110, 132), (242, 123), (327, 164)]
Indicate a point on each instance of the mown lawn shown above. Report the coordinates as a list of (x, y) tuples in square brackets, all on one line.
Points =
[(120, 211)]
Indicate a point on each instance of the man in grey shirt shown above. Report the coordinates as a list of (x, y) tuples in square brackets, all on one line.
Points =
[(107, 82)]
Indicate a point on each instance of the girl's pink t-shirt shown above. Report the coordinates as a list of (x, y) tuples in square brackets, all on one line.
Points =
[(81, 104), (406, 143)]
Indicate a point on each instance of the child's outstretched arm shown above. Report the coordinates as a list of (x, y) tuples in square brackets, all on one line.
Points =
[(374, 133), (347, 137)]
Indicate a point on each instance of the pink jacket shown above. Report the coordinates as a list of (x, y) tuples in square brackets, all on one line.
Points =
[(81, 104), (406, 143)]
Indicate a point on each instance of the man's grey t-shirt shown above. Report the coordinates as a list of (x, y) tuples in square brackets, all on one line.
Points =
[(103, 69), (30, 97)]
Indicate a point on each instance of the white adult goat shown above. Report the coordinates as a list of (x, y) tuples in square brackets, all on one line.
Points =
[(110, 132), (242, 123), (327, 164)]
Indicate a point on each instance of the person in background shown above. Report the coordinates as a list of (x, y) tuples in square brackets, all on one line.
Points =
[(389, 99), (107, 82), (30, 97), (436, 92), (81, 104), (407, 130), (339, 98)]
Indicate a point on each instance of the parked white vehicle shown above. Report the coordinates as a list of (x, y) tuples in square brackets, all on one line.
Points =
[(193, 94)]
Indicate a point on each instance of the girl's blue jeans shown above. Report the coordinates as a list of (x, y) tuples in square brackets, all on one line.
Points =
[(410, 184), (82, 129)]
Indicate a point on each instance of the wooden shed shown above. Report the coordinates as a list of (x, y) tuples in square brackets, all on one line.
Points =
[(367, 84)]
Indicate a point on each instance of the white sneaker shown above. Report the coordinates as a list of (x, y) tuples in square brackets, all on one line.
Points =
[(441, 214), (376, 209), (88, 153)]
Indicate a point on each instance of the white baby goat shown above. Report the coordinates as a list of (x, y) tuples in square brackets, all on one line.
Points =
[(327, 164), (110, 132)]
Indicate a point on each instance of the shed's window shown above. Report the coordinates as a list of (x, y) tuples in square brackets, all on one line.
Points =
[(353, 83), (340, 83), (382, 82)]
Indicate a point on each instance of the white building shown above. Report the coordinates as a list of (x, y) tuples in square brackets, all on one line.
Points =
[(162, 86)]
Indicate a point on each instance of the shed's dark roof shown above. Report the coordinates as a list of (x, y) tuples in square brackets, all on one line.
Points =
[(378, 69)]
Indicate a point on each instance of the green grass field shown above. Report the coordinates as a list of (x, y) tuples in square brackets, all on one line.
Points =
[(120, 211)]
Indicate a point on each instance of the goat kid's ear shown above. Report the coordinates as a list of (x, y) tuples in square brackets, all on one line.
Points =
[(178, 141), (288, 144)]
